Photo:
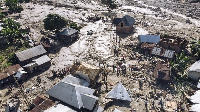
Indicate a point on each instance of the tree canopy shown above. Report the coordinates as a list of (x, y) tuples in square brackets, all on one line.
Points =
[(14, 5), (54, 22)]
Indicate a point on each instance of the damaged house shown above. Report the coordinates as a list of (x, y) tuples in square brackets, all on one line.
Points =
[(68, 35), (125, 24), (34, 59), (174, 43), (7, 75), (162, 72)]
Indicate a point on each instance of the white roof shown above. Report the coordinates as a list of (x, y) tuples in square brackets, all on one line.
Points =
[(41, 60), (119, 92), (195, 108), (149, 38), (73, 80), (75, 95), (59, 108), (195, 67), (116, 110), (98, 109), (196, 97)]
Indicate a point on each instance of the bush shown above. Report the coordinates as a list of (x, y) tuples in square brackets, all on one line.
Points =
[(14, 6), (54, 22), (74, 26)]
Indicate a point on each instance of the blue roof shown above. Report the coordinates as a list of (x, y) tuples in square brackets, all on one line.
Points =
[(129, 21)]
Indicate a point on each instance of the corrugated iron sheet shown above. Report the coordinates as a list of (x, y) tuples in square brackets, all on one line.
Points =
[(11, 70), (30, 53), (149, 38), (41, 60)]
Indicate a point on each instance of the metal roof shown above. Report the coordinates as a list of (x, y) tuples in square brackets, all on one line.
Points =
[(119, 92), (72, 94), (149, 38), (98, 109), (41, 60), (129, 21), (11, 70), (60, 108), (30, 53), (43, 106), (195, 67), (68, 31), (89, 101), (73, 80)]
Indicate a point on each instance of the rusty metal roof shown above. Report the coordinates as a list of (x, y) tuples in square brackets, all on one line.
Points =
[(43, 106), (30, 53), (39, 99), (11, 70)]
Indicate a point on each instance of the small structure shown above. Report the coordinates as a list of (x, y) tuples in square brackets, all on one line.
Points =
[(119, 92), (162, 72), (173, 43), (42, 103), (149, 38), (59, 108), (125, 24), (26, 56), (7, 75), (75, 95), (194, 71), (68, 35), (38, 64)]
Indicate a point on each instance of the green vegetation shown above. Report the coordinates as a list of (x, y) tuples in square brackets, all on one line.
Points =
[(75, 26), (109, 3), (14, 6), (195, 49), (11, 30), (54, 22), (180, 63), (2, 16)]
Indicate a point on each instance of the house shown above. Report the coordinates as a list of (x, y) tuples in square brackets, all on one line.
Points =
[(42, 103), (194, 71), (68, 35), (7, 75), (173, 43), (119, 92), (26, 56), (40, 63), (125, 24), (74, 95), (162, 72), (149, 38), (59, 108), (87, 72)]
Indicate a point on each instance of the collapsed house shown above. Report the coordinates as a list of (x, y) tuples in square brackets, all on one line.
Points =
[(7, 75), (194, 71), (74, 93), (119, 93), (87, 72), (146, 47), (174, 43), (162, 72), (68, 35), (34, 59), (125, 24), (163, 52)]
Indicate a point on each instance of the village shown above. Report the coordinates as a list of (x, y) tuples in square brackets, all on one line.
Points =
[(123, 56)]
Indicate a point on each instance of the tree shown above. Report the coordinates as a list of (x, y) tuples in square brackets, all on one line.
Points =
[(180, 63), (109, 3), (195, 49), (54, 22), (14, 5), (11, 29), (75, 26)]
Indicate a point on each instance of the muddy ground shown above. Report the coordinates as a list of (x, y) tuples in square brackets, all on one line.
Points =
[(99, 47)]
